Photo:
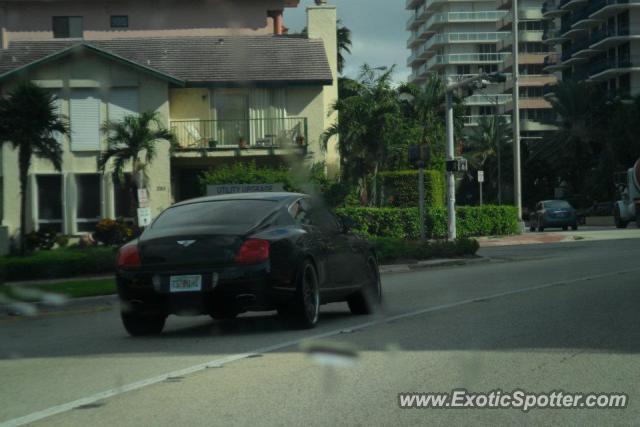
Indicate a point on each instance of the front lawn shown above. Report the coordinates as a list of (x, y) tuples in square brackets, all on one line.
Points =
[(71, 289)]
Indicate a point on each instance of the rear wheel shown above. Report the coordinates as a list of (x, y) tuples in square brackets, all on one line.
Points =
[(305, 309), (620, 223), (368, 299), (574, 227), (565, 228), (540, 227), (532, 228), (138, 324)]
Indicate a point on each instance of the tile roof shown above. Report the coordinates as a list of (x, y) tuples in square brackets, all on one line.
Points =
[(217, 60)]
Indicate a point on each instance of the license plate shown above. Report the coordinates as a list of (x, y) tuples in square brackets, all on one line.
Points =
[(185, 283)]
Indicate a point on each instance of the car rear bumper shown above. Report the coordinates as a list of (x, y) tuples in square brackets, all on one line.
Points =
[(560, 222), (236, 288)]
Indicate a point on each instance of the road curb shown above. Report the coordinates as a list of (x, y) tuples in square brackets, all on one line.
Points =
[(41, 309), (420, 265)]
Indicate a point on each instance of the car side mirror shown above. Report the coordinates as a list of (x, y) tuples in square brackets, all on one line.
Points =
[(348, 223)]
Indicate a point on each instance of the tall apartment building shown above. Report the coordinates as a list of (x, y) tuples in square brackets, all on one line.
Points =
[(220, 74), (535, 112), (458, 39), (596, 41)]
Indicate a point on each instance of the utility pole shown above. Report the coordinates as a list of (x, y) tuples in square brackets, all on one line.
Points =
[(517, 178), (421, 198), (451, 178)]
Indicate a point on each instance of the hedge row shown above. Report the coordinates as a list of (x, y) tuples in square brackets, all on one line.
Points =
[(405, 223), (390, 250), (399, 188), (59, 263)]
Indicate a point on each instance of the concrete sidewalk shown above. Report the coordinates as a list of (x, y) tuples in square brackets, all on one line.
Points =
[(584, 233)]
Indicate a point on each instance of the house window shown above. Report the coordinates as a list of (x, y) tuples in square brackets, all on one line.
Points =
[(49, 202), (88, 201), (123, 196), (122, 102), (65, 27), (119, 21), (84, 106)]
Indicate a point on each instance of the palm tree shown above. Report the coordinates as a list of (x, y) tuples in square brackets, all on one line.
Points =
[(133, 140), (486, 142), (367, 128), (30, 122), (425, 105), (570, 149), (344, 45)]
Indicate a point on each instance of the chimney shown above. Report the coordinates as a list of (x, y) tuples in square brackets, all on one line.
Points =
[(278, 21)]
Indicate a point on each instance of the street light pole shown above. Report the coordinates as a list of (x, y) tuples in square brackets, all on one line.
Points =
[(517, 178), (451, 178)]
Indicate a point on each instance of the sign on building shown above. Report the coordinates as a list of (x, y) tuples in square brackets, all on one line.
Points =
[(143, 198), (216, 190), (144, 217)]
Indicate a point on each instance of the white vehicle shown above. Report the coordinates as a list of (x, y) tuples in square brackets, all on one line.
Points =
[(628, 209)]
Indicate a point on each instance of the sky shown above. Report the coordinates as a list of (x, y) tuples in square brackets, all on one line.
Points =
[(378, 32)]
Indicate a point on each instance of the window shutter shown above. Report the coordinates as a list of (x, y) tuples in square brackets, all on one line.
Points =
[(123, 102), (85, 120)]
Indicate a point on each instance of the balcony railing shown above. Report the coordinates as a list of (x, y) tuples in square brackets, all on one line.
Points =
[(471, 37), (487, 99), (250, 133), (485, 16), (467, 58), (598, 36), (600, 66), (475, 120), (551, 60)]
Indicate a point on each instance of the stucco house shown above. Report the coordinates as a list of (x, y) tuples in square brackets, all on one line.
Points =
[(221, 74)]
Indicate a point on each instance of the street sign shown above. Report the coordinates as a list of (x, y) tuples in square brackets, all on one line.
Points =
[(480, 176), (144, 217), (143, 198), (214, 190)]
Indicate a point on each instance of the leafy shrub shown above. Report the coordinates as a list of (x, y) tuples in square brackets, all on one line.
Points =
[(400, 188), (44, 239), (405, 223), (248, 173), (62, 241), (113, 232), (389, 249), (58, 263)]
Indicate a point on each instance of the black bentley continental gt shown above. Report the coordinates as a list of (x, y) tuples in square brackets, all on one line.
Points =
[(225, 255)]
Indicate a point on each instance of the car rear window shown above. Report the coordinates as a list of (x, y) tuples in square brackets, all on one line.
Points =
[(221, 212), (557, 204)]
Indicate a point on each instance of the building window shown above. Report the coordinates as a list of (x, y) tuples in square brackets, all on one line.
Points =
[(50, 202), (124, 196), (84, 106), (88, 201), (67, 27), (119, 21)]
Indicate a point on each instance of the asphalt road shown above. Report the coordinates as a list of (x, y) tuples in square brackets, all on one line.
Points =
[(539, 318)]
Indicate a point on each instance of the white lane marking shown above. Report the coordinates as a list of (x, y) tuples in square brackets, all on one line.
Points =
[(58, 409)]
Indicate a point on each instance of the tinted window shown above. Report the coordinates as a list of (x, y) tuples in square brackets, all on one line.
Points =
[(119, 21), (230, 212), (557, 204)]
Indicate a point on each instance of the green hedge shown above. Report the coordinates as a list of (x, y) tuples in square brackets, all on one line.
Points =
[(400, 188), (389, 250), (405, 223), (58, 263)]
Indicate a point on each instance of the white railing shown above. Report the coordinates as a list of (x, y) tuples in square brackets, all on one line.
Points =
[(484, 16), (475, 120), (467, 58), (470, 37), (487, 99)]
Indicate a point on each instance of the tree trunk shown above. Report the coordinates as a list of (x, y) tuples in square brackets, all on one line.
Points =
[(23, 164)]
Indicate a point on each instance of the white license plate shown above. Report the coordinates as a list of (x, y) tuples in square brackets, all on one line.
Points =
[(185, 283)]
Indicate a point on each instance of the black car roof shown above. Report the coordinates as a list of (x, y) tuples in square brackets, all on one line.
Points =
[(276, 197)]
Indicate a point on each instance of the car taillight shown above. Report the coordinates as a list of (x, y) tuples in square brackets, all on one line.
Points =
[(253, 251), (128, 257)]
